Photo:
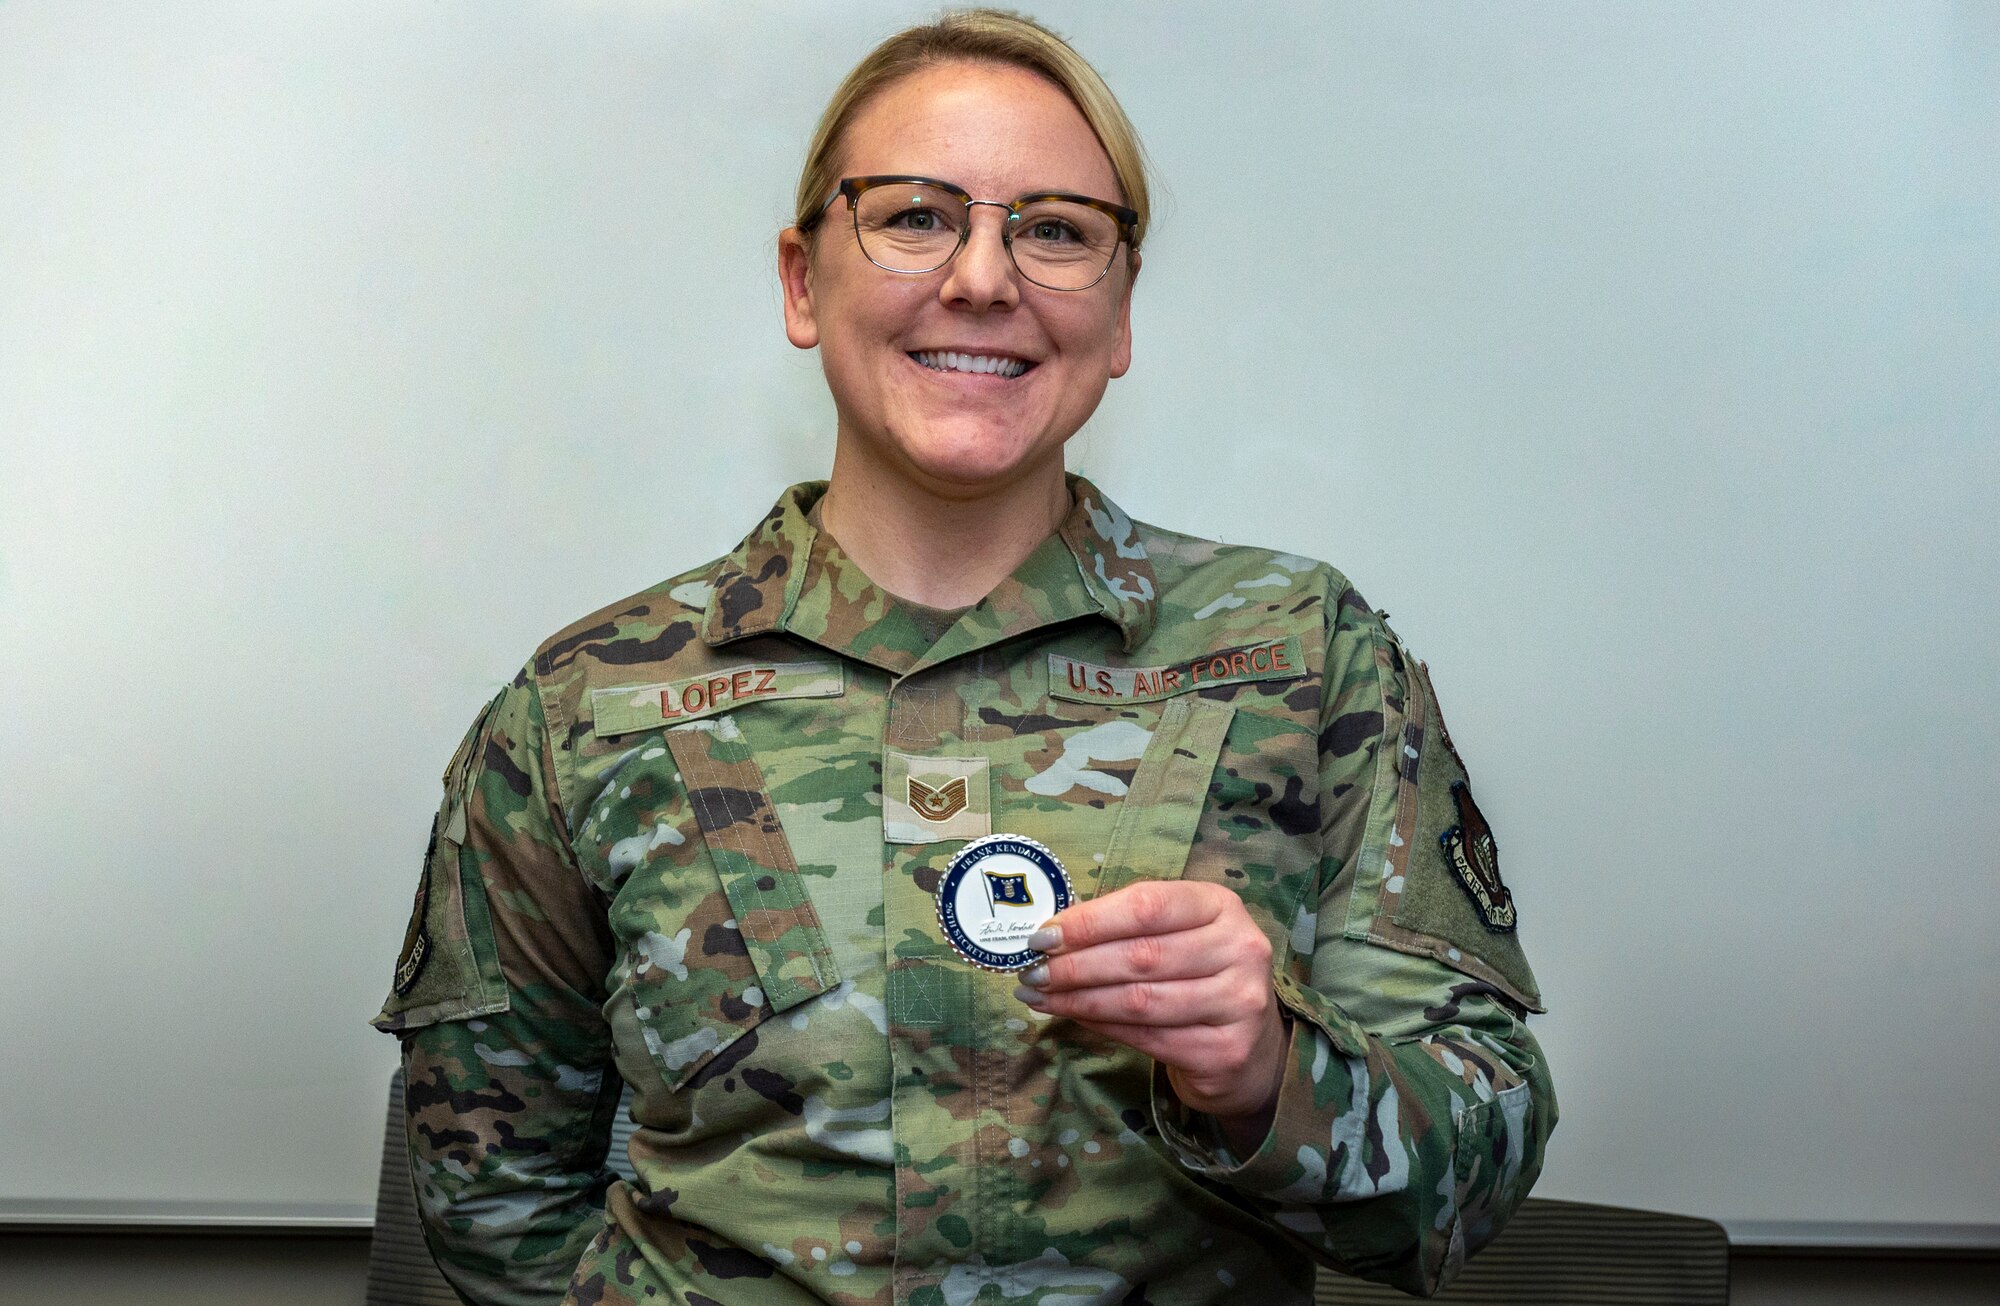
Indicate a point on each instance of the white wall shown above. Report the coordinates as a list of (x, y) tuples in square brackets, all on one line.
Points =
[(1639, 359)]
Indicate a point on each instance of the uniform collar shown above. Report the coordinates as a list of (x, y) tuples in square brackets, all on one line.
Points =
[(789, 576)]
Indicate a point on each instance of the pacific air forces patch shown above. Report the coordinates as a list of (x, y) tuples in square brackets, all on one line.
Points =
[(1474, 856)]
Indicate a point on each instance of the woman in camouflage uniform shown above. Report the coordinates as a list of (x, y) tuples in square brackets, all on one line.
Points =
[(695, 847)]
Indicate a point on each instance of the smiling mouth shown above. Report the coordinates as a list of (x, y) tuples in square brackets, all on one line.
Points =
[(946, 360)]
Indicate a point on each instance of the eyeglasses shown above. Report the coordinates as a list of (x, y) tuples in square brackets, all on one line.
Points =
[(918, 224)]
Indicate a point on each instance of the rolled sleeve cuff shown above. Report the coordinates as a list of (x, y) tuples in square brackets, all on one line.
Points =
[(1323, 1038)]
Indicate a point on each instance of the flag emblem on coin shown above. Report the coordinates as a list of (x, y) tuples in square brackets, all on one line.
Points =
[(1010, 889)]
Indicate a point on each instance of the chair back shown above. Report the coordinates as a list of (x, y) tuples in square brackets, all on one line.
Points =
[(1557, 1253)]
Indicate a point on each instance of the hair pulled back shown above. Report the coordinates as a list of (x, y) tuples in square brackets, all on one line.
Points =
[(992, 36)]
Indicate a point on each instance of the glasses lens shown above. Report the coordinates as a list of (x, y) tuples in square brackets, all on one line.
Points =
[(1064, 246), (909, 228)]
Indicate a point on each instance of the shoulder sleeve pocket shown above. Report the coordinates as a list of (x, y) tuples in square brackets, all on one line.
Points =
[(448, 968), (1441, 895)]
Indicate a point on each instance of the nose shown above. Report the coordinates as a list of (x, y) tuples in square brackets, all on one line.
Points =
[(983, 276)]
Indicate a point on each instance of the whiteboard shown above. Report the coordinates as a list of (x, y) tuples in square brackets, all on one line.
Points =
[(1639, 359)]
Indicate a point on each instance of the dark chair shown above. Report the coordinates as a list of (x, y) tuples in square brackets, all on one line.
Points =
[(1575, 1254)]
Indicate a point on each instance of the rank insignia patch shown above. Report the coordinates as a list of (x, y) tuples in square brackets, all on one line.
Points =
[(941, 803), (934, 799), (1474, 857)]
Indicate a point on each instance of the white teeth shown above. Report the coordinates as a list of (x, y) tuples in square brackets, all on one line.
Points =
[(946, 360)]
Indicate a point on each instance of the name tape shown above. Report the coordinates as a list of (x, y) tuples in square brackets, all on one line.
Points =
[(1086, 682), (648, 707)]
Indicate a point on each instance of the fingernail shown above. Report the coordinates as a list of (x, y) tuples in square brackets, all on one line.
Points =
[(1046, 939), (1029, 996), (1036, 976)]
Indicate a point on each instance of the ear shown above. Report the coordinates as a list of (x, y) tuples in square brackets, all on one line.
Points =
[(1121, 358), (795, 274)]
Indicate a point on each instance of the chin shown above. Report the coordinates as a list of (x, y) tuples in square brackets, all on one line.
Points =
[(973, 460)]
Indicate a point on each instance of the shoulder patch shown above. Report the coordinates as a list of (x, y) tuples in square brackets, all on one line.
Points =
[(1474, 857), (1076, 681), (628, 708)]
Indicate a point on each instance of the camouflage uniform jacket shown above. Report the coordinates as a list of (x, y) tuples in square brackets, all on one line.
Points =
[(692, 847)]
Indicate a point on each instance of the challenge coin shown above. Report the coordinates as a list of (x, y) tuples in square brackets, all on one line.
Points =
[(997, 891)]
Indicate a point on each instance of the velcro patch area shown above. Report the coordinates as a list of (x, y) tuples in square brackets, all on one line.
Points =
[(628, 708), (1442, 894), (1076, 681)]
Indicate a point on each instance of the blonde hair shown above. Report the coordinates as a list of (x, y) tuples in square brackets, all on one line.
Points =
[(992, 36)]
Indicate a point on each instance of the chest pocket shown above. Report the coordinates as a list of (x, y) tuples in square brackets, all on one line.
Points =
[(1157, 820), (1227, 793), (761, 949)]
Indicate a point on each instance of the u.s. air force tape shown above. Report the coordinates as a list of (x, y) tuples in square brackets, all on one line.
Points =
[(996, 892)]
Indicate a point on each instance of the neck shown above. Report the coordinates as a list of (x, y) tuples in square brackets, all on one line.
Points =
[(931, 545)]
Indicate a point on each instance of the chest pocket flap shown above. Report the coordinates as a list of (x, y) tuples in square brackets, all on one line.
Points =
[(1156, 822), (754, 861)]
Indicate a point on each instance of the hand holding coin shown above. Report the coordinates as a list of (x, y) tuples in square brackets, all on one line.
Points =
[(1177, 970)]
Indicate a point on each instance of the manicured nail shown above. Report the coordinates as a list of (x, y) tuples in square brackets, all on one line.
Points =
[(1031, 997), (1046, 939), (1036, 976)]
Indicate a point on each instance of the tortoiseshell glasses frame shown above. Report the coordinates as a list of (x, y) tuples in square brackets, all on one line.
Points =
[(905, 224)]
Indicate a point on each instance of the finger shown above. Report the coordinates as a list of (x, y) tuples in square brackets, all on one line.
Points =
[(1148, 907), (1186, 1048), (1170, 1003), (1185, 954), (1169, 1047)]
